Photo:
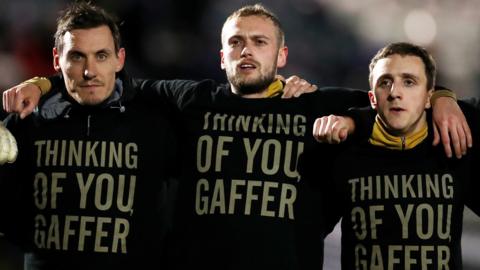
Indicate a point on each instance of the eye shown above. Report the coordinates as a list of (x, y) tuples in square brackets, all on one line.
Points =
[(75, 57), (385, 83), (261, 42), (102, 56), (234, 42), (409, 82)]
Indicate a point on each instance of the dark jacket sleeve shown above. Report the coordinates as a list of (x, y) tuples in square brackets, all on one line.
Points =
[(171, 91), (315, 166), (337, 100), (471, 109)]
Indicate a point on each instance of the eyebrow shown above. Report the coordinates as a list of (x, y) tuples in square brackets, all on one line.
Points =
[(410, 75), (404, 75), (258, 36), (384, 76), (73, 51)]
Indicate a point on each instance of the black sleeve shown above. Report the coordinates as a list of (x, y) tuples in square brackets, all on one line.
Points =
[(472, 200), (172, 91), (364, 119), (470, 108), (337, 100), (315, 166)]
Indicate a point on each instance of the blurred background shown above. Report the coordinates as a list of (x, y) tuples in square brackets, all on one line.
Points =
[(330, 43)]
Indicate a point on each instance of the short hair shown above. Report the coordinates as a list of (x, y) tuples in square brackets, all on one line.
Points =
[(260, 11), (85, 15), (403, 49)]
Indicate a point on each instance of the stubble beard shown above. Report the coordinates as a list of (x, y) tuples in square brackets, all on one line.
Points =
[(247, 87)]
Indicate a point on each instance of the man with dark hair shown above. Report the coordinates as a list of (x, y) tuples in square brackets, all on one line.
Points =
[(242, 203), (401, 200), (86, 189)]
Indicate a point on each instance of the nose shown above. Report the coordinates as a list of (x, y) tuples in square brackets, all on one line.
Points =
[(395, 91), (246, 51), (89, 71)]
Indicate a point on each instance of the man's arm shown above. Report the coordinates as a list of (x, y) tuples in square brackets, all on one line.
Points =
[(296, 86), (450, 126), (333, 129), (23, 98)]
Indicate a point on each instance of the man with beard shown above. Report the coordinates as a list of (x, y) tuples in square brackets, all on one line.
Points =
[(242, 203)]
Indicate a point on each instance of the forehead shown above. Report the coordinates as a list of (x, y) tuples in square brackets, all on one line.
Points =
[(397, 65), (248, 26), (90, 39)]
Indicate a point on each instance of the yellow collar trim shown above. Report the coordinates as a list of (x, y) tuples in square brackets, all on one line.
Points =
[(274, 89), (381, 137)]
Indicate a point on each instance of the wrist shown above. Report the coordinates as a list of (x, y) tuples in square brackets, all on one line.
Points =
[(442, 93), (43, 84)]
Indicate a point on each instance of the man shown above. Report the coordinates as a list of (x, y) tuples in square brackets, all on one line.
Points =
[(86, 191), (241, 201), (401, 201)]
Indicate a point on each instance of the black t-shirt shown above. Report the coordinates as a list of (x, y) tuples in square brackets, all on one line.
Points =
[(90, 187), (242, 203), (399, 209)]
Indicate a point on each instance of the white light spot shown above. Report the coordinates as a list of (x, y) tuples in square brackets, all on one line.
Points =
[(420, 27)]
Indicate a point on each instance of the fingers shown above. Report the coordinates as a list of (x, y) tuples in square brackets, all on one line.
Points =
[(296, 86), (343, 135), (444, 135), (10, 99), (330, 129), (27, 109), (452, 126), (18, 100), (317, 126), (6, 99), (462, 137), (456, 135), (21, 99), (291, 85), (455, 141), (436, 135), (468, 132)]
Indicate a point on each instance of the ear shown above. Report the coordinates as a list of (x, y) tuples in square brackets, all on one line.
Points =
[(222, 62), (282, 57), (121, 59), (56, 60), (428, 105), (373, 100)]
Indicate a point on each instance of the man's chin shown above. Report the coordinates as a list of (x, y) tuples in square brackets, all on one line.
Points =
[(89, 101), (255, 87)]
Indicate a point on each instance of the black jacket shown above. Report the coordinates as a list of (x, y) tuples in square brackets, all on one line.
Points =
[(90, 188)]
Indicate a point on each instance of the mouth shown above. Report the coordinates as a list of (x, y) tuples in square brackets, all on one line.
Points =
[(247, 66), (90, 85), (397, 109)]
